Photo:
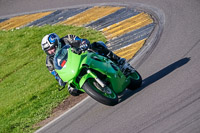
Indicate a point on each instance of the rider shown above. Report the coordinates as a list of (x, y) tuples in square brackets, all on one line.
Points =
[(50, 43)]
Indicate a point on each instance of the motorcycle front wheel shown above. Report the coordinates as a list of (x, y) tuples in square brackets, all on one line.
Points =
[(103, 95)]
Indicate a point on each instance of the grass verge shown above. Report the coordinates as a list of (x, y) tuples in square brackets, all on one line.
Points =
[(28, 90)]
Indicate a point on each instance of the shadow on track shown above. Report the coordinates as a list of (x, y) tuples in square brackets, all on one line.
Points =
[(155, 77)]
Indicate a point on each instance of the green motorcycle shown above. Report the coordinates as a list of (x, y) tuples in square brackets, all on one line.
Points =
[(94, 74)]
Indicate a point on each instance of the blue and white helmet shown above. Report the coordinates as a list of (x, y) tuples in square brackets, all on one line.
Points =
[(50, 41)]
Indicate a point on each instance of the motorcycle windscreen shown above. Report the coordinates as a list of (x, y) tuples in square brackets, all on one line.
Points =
[(67, 64)]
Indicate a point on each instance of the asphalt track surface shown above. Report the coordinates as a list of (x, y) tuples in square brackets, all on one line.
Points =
[(168, 101)]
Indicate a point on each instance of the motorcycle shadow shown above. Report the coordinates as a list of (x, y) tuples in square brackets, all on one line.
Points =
[(154, 78)]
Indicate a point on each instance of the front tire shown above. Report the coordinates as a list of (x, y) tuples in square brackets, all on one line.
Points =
[(93, 89)]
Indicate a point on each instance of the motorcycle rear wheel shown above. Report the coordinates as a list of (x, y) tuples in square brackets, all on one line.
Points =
[(136, 81), (93, 89)]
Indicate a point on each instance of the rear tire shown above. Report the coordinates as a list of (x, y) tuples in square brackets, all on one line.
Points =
[(91, 88), (136, 81)]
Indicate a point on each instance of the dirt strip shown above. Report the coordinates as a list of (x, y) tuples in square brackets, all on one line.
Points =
[(67, 104)]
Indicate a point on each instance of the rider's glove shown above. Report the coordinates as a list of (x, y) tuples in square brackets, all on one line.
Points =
[(83, 45), (75, 43), (79, 46)]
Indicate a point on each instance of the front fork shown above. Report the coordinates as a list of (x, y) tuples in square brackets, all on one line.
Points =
[(96, 79), (102, 86)]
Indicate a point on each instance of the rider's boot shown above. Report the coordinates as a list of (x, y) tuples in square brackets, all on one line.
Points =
[(73, 91), (124, 66)]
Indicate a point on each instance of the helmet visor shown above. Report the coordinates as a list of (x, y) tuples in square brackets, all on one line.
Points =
[(45, 46), (52, 50)]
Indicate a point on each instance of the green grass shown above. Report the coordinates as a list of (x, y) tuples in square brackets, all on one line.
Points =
[(28, 92)]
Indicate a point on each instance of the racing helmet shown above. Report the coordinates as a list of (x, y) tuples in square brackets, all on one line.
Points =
[(50, 43)]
